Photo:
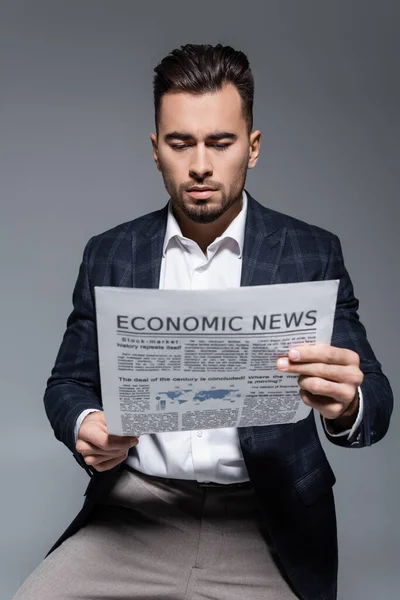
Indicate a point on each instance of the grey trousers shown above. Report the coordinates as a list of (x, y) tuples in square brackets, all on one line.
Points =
[(155, 538)]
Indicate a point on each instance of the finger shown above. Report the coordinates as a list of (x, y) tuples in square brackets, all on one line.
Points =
[(94, 460), (339, 373), (94, 431), (123, 439), (116, 442), (109, 464), (324, 353), (105, 442), (341, 392), (102, 445), (87, 449), (327, 407)]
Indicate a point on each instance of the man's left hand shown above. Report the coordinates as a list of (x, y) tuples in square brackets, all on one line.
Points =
[(329, 378)]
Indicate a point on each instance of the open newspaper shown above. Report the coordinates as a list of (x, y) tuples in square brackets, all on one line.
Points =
[(174, 360)]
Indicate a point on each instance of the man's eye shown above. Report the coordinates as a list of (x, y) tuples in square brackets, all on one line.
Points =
[(221, 146), (183, 146)]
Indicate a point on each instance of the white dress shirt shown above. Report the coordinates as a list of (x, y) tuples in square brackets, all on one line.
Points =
[(214, 454)]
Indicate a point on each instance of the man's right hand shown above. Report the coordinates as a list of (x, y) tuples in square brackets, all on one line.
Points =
[(99, 449)]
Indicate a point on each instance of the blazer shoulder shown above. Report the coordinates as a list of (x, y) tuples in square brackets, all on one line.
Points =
[(134, 226), (119, 235), (303, 237), (299, 226)]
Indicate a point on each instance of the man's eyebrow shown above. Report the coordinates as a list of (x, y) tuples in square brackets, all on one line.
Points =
[(188, 137)]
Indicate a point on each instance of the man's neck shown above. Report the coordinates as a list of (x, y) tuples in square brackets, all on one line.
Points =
[(205, 233)]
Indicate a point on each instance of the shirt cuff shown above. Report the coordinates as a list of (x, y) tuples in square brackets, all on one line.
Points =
[(80, 419), (348, 432)]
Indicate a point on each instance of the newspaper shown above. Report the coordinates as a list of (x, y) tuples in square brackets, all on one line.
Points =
[(175, 360)]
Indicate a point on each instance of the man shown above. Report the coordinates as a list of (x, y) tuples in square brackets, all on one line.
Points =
[(228, 513)]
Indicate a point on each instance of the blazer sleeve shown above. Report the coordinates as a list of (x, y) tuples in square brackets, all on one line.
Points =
[(349, 332), (74, 384)]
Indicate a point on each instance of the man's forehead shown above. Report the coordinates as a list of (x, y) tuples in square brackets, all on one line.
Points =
[(182, 111), (201, 125)]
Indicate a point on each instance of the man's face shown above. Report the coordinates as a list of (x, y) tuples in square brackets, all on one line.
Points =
[(203, 141)]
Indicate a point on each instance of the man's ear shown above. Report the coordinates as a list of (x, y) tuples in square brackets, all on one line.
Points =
[(254, 149), (153, 139)]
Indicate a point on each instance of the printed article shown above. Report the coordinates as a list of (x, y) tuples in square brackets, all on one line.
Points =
[(175, 360)]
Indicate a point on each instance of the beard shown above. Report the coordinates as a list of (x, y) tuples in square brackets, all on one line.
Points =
[(202, 210)]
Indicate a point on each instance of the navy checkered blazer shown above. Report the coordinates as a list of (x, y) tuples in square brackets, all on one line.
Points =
[(286, 463)]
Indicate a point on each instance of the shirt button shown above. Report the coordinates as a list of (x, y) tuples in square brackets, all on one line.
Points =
[(199, 434)]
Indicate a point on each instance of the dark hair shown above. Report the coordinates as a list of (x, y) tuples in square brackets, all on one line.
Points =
[(202, 68)]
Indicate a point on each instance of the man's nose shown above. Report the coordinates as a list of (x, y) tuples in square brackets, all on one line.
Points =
[(201, 166)]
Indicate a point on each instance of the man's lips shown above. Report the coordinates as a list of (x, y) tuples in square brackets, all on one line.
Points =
[(201, 192), (199, 188)]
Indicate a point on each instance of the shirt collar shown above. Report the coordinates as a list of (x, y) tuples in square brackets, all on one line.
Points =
[(234, 231)]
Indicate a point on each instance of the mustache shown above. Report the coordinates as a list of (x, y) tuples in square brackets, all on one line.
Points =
[(210, 186)]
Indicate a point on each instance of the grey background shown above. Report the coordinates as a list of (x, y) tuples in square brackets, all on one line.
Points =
[(76, 115)]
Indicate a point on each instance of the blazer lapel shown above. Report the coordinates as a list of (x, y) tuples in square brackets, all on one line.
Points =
[(147, 248), (263, 245)]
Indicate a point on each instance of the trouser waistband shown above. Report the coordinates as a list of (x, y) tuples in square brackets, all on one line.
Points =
[(247, 485)]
